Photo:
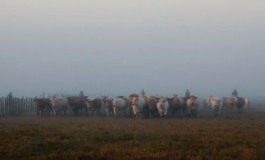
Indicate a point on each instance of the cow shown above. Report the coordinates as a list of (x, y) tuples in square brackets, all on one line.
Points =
[(176, 106), (119, 107), (138, 106), (78, 104), (162, 107), (59, 105), (215, 105), (43, 106), (240, 104), (235, 101), (95, 105), (130, 103), (229, 103), (108, 106), (205, 103), (191, 106), (151, 106), (247, 103)]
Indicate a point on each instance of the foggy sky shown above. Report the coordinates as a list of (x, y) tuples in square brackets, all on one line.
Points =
[(118, 47)]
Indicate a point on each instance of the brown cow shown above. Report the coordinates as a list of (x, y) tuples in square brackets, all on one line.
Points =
[(139, 109), (240, 104), (94, 106), (43, 106), (78, 105), (229, 103), (176, 106), (151, 106), (130, 101)]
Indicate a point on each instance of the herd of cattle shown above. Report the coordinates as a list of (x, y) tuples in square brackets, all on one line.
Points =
[(137, 106)]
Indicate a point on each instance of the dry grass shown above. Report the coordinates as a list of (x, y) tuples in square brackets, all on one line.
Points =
[(231, 136)]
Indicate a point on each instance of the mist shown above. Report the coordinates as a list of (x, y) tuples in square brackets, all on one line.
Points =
[(121, 47)]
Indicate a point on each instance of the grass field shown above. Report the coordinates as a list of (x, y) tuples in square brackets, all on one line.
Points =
[(230, 136)]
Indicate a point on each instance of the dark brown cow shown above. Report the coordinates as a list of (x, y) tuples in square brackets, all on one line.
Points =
[(78, 105), (151, 104), (240, 103), (43, 106), (176, 107), (94, 105)]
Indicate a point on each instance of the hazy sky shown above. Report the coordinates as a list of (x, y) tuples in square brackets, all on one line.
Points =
[(118, 47)]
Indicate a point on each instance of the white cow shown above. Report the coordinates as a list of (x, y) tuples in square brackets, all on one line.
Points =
[(247, 103), (59, 105), (108, 106), (191, 106), (215, 104), (138, 105), (162, 107), (119, 107)]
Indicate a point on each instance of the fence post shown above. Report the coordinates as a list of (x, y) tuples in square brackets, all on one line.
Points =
[(7, 108), (15, 106), (4, 104), (25, 104), (1, 107), (33, 108)]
